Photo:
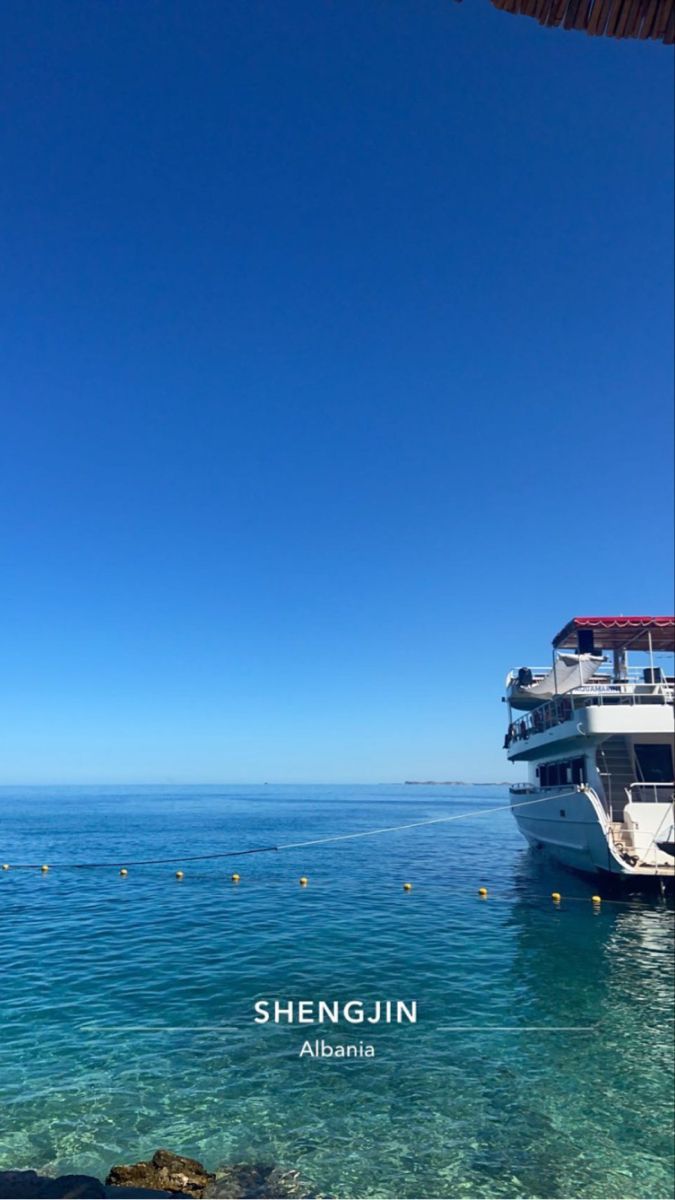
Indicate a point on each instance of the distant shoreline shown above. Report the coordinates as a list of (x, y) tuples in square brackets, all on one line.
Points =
[(453, 783)]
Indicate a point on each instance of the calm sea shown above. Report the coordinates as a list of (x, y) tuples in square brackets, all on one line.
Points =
[(540, 1065)]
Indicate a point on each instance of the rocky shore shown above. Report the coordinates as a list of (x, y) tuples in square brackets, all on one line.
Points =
[(165, 1174)]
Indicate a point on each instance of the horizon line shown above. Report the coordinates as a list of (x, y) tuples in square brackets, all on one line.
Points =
[(264, 783)]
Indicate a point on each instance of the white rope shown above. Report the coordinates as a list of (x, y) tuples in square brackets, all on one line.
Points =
[(339, 837), (478, 812)]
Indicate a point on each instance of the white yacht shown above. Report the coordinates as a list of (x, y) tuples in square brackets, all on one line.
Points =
[(597, 736)]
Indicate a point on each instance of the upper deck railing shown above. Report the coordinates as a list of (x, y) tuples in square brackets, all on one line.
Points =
[(603, 676), (600, 690)]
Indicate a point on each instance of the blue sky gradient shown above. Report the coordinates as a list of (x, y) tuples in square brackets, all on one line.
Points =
[(336, 358)]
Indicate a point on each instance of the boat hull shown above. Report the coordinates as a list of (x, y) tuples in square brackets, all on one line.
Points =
[(572, 826)]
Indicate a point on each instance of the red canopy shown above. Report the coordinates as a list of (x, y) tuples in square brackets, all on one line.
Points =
[(619, 633)]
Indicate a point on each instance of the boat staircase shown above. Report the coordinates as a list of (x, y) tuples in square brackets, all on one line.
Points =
[(615, 765)]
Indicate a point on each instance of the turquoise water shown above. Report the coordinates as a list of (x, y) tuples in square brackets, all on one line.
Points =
[(127, 1003)]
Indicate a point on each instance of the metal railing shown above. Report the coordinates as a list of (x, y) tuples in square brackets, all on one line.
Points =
[(562, 708), (604, 673), (624, 691), (602, 676), (544, 716), (651, 793)]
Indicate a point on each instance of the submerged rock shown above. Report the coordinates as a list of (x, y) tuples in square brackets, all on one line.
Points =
[(19, 1185), (257, 1181), (164, 1172), (28, 1185), (72, 1186)]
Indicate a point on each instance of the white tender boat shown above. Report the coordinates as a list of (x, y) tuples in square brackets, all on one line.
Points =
[(597, 736)]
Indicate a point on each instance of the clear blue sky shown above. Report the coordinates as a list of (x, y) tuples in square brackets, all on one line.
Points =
[(336, 361)]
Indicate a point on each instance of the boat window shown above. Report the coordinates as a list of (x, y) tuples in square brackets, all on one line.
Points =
[(654, 762), (578, 770), (557, 773)]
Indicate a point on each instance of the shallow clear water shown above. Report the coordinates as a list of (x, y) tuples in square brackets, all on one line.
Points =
[(127, 1003)]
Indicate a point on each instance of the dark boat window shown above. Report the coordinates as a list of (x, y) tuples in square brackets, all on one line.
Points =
[(578, 770), (558, 773), (654, 762)]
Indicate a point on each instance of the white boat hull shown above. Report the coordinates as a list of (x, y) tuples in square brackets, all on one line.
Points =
[(574, 828)]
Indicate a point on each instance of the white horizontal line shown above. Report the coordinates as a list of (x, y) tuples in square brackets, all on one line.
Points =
[(158, 1029), (516, 1028)]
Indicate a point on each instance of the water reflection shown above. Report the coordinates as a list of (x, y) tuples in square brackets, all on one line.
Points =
[(594, 990)]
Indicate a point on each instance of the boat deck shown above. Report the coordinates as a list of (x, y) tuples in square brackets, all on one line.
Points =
[(655, 872)]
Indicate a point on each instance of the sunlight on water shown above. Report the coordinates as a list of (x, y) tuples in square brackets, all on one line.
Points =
[(540, 1064)]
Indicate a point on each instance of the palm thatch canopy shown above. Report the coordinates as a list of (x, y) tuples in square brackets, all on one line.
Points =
[(653, 19)]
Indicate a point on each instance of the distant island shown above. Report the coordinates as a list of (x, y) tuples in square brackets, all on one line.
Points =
[(453, 783)]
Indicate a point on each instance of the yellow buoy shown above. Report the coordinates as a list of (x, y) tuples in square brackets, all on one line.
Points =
[(44, 867), (236, 878), (407, 887), (482, 892), (179, 875), (303, 881), (124, 871), (5, 866), (556, 897), (596, 899)]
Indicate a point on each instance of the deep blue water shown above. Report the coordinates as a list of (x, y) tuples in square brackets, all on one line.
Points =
[(127, 1003)]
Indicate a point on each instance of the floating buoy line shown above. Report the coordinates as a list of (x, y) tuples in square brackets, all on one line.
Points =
[(482, 892)]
